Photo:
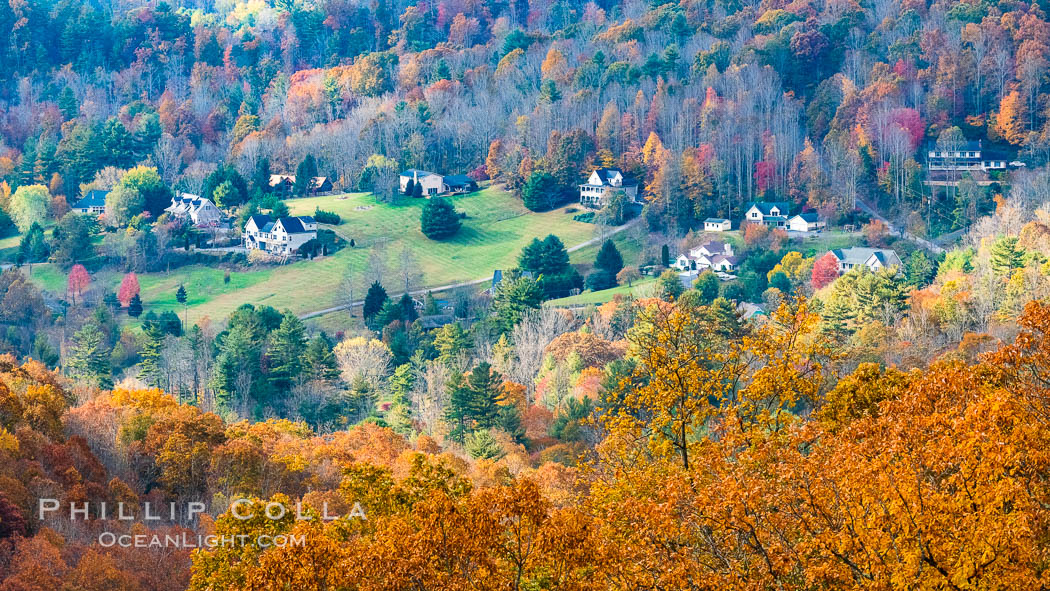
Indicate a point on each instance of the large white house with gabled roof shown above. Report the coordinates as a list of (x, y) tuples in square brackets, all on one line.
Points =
[(601, 182), (283, 236), (872, 258)]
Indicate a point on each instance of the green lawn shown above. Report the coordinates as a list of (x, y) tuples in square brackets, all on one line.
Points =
[(495, 230), (640, 287), (203, 284)]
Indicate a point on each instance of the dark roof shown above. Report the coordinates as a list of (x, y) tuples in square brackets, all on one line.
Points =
[(95, 198), (436, 321), (766, 206), (260, 219), (810, 216), (715, 221), (306, 219), (292, 225), (458, 180), (607, 173), (416, 172), (967, 146), (497, 277)]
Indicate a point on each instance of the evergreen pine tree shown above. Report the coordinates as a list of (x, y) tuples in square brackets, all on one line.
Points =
[(287, 345), (135, 306), (1005, 256), (306, 171), (374, 300), (319, 361), (665, 256), (152, 349), (438, 219), (609, 259), (180, 294), (89, 357), (410, 187), (408, 309)]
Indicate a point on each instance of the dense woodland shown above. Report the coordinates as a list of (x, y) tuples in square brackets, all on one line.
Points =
[(868, 430)]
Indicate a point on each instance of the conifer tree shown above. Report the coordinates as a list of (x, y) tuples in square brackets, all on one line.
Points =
[(374, 300), (89, 357), (287, 345)]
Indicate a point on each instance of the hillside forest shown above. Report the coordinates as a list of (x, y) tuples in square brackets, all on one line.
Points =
[(589, 419)]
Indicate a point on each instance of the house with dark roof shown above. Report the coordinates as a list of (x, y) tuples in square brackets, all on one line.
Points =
[(319, 185), (970, 156), (806, 222), (603, 181), (282, 184), (872, 258), (432, 183), (459, 183), (770, 213), (92, 203), (281, 236), (198, 211), (713, 254)]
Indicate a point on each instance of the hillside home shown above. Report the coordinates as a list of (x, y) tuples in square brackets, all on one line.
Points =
[(433, 183), (602, 181), (319, 185), (282, 236), (872, 258), (282, 184), (197, 210), (773, 214), (714, 255), (93, 203), (806, 222), (969, 157), (717, 225), (459, 183)]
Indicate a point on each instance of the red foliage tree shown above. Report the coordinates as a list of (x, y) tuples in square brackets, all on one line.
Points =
[(78, 281), (825, 270), (129, 288)]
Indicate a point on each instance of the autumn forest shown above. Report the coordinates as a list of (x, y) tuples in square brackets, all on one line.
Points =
[(451, 295)]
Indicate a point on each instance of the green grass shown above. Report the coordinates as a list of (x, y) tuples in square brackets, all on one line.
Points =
[(495, 230), (203, 284), (9, 247), (640, 287)]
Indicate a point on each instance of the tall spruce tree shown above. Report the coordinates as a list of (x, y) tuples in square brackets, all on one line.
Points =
[(287, 345), (438, 219), (89, 357), (374, 301)]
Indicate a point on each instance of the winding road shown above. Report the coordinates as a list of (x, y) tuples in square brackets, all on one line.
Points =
[(472, 282), (863, 206)]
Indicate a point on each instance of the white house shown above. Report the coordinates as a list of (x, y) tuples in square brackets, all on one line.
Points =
[(872, 258), (92, 203), (433, 183), (806, 222), (602, 181), (773, 214), (199, 211), (968, 156), (712, 254), (283, 236), (717, 225)]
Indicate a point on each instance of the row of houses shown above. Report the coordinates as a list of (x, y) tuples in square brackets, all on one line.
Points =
[(435, 184)]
